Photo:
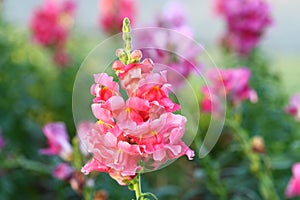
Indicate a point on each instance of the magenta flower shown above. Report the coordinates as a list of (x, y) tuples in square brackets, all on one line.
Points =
[(62, 171), (171, 51), (293, 188), (135, 134), (112, 13), (294, 107), (246, 22), (58, 140), (230, 83), (51, 23)]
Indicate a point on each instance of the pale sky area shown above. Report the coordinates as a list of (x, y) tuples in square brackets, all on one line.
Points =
[(283, 36), (281, 42)]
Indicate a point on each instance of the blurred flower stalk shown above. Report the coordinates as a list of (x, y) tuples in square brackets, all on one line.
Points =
[(246, 22), (233, 85), (50, 26)]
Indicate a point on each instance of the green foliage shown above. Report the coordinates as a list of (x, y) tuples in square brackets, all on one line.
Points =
[(33, 93)]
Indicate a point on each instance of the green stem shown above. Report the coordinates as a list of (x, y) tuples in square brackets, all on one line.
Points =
[(137, 187), (262, 172), (87, 193), (77, 156), (214, 183)]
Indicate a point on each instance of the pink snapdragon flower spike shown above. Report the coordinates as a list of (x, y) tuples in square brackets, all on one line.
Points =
[(294, 107), (229, 83), (137, 133), (58, 140), (246, 21), (112, 13), (51, 23), (168, 47), (293, 188), (62, 171)]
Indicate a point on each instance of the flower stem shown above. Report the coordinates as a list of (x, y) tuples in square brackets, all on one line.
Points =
[(258, 166), (137, 187)]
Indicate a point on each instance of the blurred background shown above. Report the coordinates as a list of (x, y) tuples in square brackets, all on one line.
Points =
[(281, 41)]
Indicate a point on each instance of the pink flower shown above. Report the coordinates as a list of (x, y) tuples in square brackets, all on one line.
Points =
[(104, 88), (293, 188), (135, 134), (51, 23), (62, 171), (113, 12), (61, 58), (58, 140), (246, 22), (2, 141), (230, 83), (172, 50), (294, 107), (211, 103), (95, 165)]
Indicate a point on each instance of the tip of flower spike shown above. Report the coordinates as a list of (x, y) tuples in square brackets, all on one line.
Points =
[(126, 25), (127, 40)]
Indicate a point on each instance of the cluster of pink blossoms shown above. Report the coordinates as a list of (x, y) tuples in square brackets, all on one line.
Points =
[(246, 22), (293, 188), (112, 13), (228, 83), (136, 133), (51, 24), (174, 47), (294, 107)]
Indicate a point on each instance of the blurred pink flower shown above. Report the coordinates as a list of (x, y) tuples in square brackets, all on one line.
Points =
[(134, 132), (173, 50), (230, 83), (294, 107), (2, 141), (58, 140), (246, 22), (51, 23), (62, 171), (174, 16), (112, 13), (61, 58), (293, 188)]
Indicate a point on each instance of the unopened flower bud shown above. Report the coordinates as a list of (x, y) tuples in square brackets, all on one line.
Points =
[(258, 144), (101, 195), (136, 56), (77, 181), (122, 55)]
